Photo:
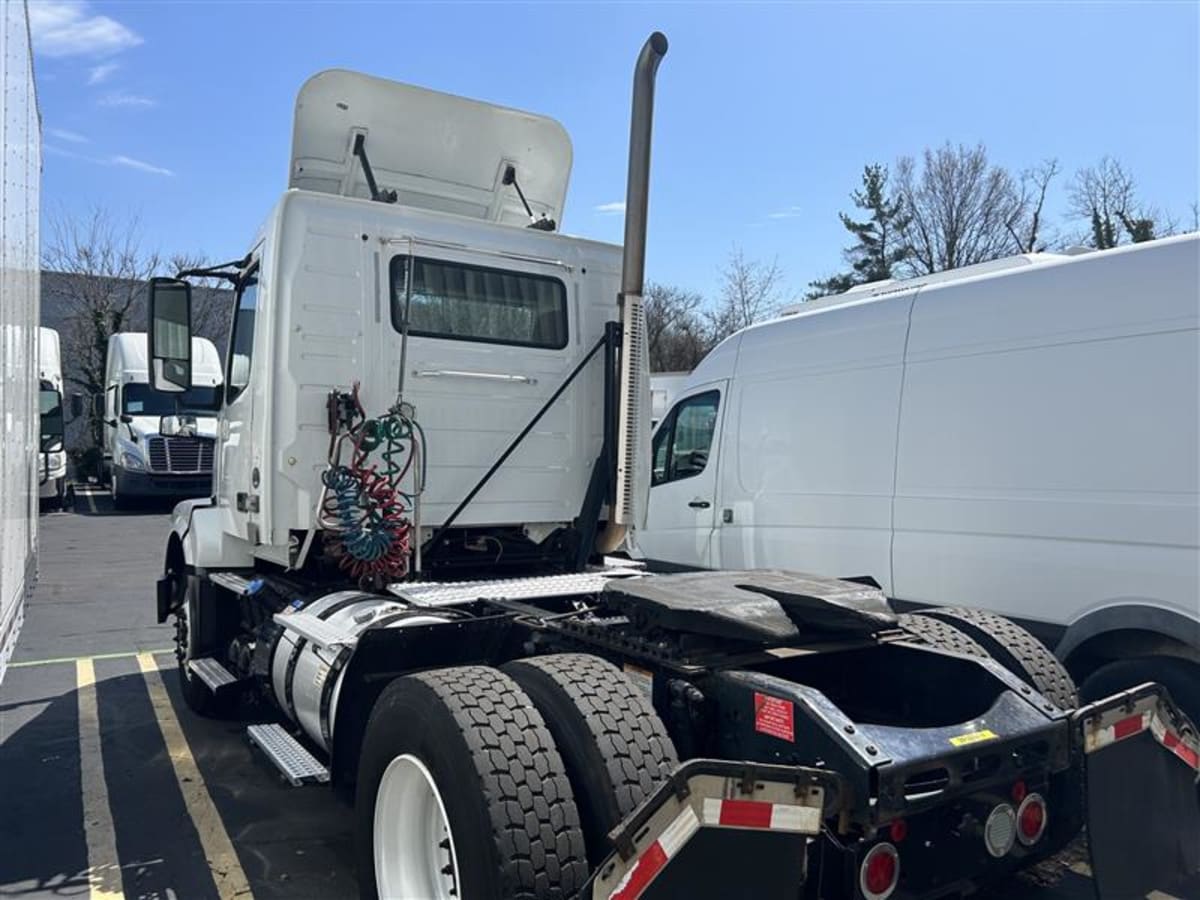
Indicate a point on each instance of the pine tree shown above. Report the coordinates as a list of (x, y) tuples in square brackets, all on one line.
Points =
[(879, 240)]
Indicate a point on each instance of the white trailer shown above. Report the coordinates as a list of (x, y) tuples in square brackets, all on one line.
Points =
[(433, 428), (1020, 436), (52, 465), (20, 180), (155, 444)]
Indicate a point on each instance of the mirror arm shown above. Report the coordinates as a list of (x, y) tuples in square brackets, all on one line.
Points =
[(221, 270)]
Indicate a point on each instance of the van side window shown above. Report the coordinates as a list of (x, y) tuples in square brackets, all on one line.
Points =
[(681, 445), (241, 338)]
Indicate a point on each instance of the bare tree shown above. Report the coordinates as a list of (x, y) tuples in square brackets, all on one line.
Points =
[(1105, 196), (750, 291), (961, 207), (1026, 225), (676, 337)]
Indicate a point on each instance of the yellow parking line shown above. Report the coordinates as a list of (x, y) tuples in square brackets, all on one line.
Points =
[(104, 870), (218, 848), (78, 659)]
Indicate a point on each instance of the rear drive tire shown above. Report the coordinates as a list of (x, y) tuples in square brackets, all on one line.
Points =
[(615, 747), (484, 752), (1015, 649), (939, 634)]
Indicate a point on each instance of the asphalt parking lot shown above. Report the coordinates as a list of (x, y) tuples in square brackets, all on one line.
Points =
[(109, 785)]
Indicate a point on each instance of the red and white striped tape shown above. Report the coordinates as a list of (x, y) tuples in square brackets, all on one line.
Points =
[(654, 858), (757, 814), (1099, 738), (716, 813)]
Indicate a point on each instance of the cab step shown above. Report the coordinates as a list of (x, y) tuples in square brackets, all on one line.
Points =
[(214, 675), (294, 762)]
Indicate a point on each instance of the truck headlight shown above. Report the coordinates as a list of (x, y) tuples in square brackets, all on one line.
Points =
[(132, 462)]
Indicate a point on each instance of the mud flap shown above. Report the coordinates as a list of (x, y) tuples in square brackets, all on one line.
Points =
[(1142, 769), (717, 830)]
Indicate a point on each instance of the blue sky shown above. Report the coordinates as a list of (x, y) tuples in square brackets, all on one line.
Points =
[(181, 112)]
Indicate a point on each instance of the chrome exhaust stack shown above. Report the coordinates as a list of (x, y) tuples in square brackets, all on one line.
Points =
[(632, 476)]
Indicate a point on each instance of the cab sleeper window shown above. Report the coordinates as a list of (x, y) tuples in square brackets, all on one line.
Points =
[(681, 444), (462, 302)]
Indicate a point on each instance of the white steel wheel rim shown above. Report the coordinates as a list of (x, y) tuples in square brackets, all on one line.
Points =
[(414, 849)]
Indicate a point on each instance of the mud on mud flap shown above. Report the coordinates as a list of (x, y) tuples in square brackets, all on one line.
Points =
[(717, 830), (1142, 766)]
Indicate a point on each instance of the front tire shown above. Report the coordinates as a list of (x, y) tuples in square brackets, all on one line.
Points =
[(1180, 677), (196, 694), (466, 746)]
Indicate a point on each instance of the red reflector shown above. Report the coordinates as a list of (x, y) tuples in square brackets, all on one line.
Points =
[(898, 831), (745, 814), (1130, 725), (1031, 819), (1019, 791), (879, 873)]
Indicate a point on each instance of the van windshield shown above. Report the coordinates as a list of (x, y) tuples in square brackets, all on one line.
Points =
[(140, 400)]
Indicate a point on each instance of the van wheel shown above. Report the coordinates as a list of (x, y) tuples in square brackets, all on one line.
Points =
[(939, 634), (1015, 649), (1180, 677), (615, 747), (462, 794)]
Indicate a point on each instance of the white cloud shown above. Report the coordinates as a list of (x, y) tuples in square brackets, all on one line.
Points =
[(70, 137), (131, 163), (69, 28), (611, 209), (130, 101), (790, 213), (101, 72)]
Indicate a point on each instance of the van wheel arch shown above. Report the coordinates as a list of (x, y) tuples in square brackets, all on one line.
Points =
[(1122, 632)]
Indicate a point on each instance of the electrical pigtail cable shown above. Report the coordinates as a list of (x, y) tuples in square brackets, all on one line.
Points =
[(364, 510)]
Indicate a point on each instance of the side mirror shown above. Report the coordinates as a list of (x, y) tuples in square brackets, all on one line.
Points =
[(76, 405), (170, 335)]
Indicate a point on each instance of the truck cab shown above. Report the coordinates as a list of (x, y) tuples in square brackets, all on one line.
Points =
[(158, 445)]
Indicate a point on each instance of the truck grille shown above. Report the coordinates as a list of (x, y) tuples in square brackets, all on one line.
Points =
[(181, 455)]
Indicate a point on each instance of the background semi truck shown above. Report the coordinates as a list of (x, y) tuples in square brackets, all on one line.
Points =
[(20, 180), (52, 452), (1020, 436), (144, 459), (433, 429)]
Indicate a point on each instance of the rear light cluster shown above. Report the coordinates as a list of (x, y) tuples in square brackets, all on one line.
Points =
[(1006, 825), (879, 872)]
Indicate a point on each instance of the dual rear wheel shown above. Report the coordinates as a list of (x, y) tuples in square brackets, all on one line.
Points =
[(480, 783)]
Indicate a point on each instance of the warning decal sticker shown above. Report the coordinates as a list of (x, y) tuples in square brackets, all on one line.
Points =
[(774, 716), (973, 737)]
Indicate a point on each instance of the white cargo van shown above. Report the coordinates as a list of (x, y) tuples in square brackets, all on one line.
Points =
[(1018, 436), (52, 459), (157, 444)]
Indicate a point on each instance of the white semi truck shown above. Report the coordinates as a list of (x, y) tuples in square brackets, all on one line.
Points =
[(1043, 430), (158, 445), (52, 464), (20, 182), (433, 428)]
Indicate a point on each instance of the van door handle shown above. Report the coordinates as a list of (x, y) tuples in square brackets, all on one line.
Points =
[(699, 504)]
